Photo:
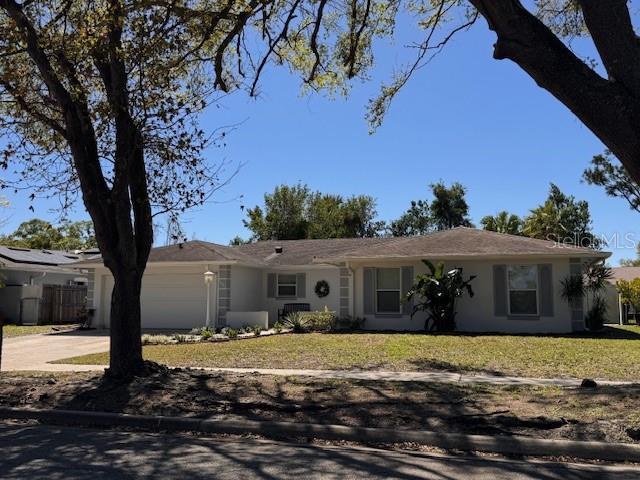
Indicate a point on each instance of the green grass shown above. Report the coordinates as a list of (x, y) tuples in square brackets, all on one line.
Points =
[(21, 330), (613, 354)]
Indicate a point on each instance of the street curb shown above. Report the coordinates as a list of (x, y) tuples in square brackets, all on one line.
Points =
[(509, 445)]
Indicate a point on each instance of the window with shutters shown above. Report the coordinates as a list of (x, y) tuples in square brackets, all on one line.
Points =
[(287, 285), (388, 290), (522, 284)]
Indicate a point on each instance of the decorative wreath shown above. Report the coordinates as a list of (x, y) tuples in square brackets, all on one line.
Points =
[(322, 288)]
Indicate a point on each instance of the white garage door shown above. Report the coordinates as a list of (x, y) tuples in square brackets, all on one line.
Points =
[(169, 301)]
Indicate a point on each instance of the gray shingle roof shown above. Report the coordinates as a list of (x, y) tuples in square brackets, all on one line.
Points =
[(38, 257), (197, 250), (465, 242), (624, 273), (457, 242), (303, 252)]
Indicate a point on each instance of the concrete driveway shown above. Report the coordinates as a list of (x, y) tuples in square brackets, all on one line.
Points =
[(32, 352)]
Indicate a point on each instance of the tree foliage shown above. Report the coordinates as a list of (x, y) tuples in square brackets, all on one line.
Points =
[(415, 221), (606, 172), (295, 212), (449, 208), (40, 234), (503, 222), (632, 262), (561, 218), (629, 290)]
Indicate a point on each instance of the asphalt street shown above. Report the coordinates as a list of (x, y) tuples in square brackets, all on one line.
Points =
[(51, 452)]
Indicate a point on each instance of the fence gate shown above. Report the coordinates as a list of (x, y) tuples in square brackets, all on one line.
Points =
[(62, 303)]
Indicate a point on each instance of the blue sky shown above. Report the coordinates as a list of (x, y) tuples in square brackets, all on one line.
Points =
[(465, 117)]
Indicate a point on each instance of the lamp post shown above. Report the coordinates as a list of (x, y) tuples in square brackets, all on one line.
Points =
[(208, 280)]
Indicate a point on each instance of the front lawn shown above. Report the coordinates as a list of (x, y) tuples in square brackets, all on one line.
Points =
[(21, 330), (613, 354)]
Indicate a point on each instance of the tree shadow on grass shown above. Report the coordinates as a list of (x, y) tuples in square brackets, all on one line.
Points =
[(476, 409), (607, 332)]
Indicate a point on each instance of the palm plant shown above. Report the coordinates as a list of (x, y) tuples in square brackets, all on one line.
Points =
[(589, 286), (503, 222), (436, 292)]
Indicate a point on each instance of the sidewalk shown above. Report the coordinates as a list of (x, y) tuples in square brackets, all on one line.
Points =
[(426, 377)]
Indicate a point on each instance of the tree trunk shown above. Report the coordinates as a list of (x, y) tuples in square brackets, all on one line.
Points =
[(125, 343)]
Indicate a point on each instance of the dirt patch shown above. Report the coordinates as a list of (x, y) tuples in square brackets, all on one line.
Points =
[(606, 414)]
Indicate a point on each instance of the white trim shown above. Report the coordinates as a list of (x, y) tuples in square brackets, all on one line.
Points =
[(399, 290), (537, 290)]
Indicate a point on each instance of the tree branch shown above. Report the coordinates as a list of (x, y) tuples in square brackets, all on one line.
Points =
[(603, 106), (41, 117), (80, 132), (612, 32)]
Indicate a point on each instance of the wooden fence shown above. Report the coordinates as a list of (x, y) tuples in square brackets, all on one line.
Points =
[(62, 303)]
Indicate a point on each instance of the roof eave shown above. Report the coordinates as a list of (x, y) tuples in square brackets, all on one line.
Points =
[(168, 263)]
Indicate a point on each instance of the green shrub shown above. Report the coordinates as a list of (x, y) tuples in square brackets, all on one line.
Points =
[(257, 329), (230, 332), (277, 327), (349, 323), (205, 334), (180, 338), (321, 321)]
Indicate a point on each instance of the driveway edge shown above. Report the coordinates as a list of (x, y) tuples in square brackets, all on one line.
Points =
[(508, 445)]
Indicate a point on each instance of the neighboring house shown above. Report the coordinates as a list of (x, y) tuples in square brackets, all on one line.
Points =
[(29, 277), (517, 288), (617, 312)]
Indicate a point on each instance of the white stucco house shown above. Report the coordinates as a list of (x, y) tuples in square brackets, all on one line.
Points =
[(517, 285)]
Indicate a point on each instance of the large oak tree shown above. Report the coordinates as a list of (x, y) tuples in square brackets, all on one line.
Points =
[(101, 98)]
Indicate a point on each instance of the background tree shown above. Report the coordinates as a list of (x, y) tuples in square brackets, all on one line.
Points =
[(40, 234), (238, 240), (503, 222), (629, 290), (78, 235), (34, 233), (415, 221), (449, 208), (359, 217), (293, 213), (632, 262), (561, 218), (325, 216), (284, 214)]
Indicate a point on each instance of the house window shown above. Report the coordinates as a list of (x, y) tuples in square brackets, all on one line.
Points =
[(287, 285), (523, 289), (388, 290)]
